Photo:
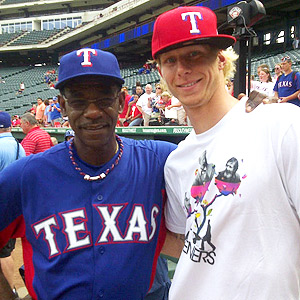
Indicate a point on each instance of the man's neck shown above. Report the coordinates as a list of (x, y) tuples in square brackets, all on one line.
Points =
[(205, 117), (5, 130), (97, 155), (288, 72), (33, 127)]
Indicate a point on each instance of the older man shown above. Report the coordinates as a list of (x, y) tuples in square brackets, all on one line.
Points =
[(143, 104), (36, 140), (91, 208), (238, 231)]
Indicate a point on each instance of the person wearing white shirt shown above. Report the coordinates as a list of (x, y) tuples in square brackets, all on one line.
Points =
[(180, 112), (143, 102), (265, 84)]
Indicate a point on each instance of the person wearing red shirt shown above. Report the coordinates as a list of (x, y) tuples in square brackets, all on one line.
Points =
[(36, 139), (15, 122), (124, 113), (135, 116)]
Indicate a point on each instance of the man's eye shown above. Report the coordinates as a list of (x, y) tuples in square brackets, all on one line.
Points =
[(170, 60), (194, 53), (106, 101), (77, 103)]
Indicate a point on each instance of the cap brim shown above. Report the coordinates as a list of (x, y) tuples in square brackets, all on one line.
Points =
[(221, 42), (60, 84)]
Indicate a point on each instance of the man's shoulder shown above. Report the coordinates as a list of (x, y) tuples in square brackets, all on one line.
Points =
[(38, 132), (148, 147)]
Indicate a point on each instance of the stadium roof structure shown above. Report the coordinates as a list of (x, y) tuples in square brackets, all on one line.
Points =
[(122, 27)]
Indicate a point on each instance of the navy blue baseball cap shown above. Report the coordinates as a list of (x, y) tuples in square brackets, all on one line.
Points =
[(86, 62), (5, 120)]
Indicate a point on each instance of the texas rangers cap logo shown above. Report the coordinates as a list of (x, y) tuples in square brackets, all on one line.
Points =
[(192, 17), (86, 53), (87, 61), (193, 24)]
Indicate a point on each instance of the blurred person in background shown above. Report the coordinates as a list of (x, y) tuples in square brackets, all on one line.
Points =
[(10, 151), (135, 117), (124, 114), (278, 72), (55, 112), (15, 122), (40, 110), (287, 86), (265, 84), (36, 140), (143, 104)]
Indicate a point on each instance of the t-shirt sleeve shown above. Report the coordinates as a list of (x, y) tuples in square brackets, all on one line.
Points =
[(175, 215)]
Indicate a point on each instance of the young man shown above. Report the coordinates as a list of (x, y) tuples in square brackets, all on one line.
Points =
[(287, 86), (233, 184), (90, 208)]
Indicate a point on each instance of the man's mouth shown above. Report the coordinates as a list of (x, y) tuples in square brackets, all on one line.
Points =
[(93, 126), (189, 84)]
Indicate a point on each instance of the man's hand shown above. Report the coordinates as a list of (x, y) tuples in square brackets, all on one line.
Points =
[(256, 98), (283, 100)]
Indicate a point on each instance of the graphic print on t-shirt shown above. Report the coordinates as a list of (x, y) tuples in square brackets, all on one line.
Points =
[(199, 205)]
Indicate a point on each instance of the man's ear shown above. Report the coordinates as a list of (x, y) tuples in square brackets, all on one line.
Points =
[(221, 60), (62, 104), (121, 101), (158, 69)]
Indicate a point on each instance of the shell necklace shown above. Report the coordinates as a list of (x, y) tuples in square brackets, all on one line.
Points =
[(104, 174)]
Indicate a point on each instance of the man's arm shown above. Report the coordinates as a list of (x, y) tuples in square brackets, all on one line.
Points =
[(290, 97), (173, 244), (57, 108)]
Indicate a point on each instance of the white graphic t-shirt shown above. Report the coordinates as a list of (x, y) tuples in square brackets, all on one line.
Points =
[(234, 192)]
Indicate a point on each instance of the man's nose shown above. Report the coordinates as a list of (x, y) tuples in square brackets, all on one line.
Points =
[(183, 67), (93, 110)]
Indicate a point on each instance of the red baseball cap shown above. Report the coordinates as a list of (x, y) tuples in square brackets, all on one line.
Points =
[(198, 24)]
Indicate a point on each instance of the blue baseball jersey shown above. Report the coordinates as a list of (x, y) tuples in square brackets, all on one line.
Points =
[(286, 85), (87, 240)]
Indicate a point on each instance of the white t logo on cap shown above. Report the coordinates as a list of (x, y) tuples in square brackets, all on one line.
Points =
[(86, 56), (193, 21)]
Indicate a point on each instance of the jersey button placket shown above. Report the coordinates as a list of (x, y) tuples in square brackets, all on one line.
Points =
[(99, 197), (101, 294), (101, 250)]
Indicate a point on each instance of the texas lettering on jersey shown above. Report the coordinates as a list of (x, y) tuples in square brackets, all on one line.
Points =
[(77, 236), (285, 84)]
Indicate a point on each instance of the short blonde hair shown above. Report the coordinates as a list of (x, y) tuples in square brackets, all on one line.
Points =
[(166, 94), (230, 66)]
